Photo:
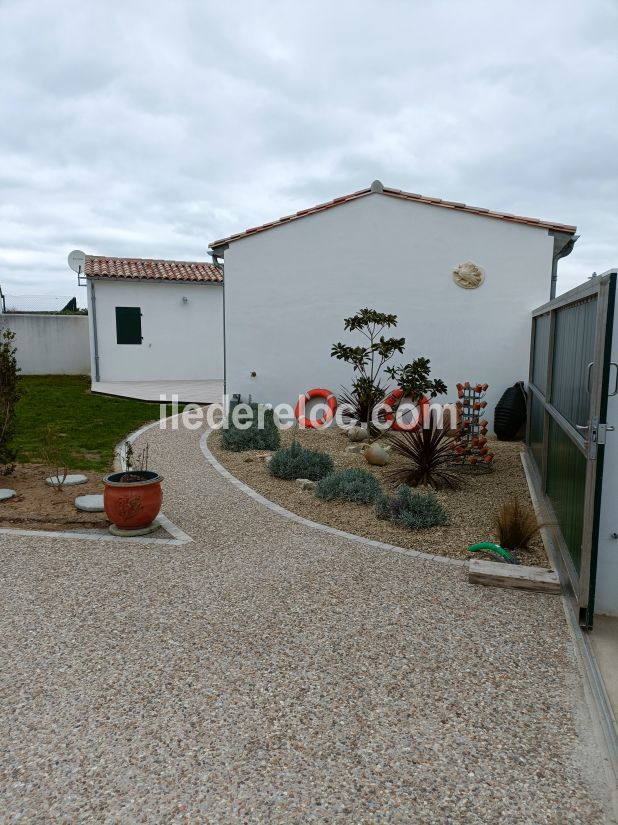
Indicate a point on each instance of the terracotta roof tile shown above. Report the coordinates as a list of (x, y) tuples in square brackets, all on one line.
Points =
[(147, 269), (409, 196)]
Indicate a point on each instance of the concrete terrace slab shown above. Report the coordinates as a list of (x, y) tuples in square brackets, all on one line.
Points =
[(208, 391), (270, 672)]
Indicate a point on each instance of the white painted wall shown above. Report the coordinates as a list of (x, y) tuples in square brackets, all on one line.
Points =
[(181, 341), (50, 344), (606, 601), (289, 289)]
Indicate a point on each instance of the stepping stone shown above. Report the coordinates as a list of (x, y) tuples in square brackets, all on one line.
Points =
[(142, 531), (90, 504), (6, 493), (69, 481)]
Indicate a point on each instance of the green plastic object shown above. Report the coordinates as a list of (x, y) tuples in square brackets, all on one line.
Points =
[(488, 545)]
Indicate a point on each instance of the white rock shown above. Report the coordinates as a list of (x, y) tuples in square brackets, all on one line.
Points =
[(355, 448), (69, 481), (6, 493), (268, 459), (305, 484), (90, 504), (358, 434)]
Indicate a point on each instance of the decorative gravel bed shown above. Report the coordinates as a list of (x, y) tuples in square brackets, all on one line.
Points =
[(471, 509)]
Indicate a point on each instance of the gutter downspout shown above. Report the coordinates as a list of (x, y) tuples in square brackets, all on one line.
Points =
[(95, 337), (214, 254), (563, 246)]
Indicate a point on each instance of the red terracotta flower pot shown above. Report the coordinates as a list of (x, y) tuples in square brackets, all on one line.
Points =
[(132, 500)]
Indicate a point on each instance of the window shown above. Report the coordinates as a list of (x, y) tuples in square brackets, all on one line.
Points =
[(128, 325)]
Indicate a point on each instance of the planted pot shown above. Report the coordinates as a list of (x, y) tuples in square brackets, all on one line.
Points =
[(132, 499)]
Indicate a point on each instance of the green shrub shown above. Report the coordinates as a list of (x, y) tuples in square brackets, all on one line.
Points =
[(298, 462), (411, 508), (349, 485), (10, 392), (253, 438)]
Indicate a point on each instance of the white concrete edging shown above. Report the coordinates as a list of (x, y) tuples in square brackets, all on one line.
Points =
[(315, 525)]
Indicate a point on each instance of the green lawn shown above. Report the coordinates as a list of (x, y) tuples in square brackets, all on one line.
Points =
[(86, 427)]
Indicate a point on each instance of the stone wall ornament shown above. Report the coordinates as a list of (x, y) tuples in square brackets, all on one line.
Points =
[(468, 275)]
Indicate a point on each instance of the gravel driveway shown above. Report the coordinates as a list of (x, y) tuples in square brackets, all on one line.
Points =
[(270, 673)]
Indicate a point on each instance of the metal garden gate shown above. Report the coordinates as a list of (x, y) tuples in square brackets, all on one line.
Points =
[(570, 361)]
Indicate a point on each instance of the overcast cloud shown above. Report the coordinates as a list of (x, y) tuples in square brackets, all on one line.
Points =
[(149, 129)]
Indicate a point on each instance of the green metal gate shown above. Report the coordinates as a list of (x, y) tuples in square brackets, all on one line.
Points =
[(567, 403)]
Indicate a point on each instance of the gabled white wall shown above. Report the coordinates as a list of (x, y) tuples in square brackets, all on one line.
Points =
[(181, 341), (288, 290)]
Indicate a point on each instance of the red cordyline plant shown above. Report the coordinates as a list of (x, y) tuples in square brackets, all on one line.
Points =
[(428, 451)]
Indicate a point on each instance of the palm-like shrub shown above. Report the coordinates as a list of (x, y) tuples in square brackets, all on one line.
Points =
[(349, 485), (298, 462), (411, 508), (428, 452), (362, 399), (255, 437)]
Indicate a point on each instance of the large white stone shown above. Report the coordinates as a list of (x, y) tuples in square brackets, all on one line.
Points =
[(355, 448), (90, 504), (6, 493), (358, 434), (376, 455), (70, 481)]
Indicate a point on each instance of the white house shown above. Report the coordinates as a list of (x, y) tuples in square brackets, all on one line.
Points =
[(290, 283), (154, 325)]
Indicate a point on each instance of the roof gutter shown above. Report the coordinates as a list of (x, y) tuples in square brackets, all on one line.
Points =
[(563, 246), (214, 253), (95, 337)]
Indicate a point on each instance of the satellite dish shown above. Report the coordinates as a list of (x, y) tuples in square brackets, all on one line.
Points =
[(77, 261)]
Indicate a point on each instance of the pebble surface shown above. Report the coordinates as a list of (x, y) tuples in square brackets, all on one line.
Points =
[(270, 673)]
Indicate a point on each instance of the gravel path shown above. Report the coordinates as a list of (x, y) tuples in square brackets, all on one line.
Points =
[(269, 673)]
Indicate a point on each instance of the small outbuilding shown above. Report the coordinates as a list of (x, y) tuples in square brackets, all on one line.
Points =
[(462, 280), (156, 326)]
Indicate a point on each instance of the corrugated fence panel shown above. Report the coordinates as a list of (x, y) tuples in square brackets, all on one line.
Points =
[(574, 339), (540, 351), (566, 487)]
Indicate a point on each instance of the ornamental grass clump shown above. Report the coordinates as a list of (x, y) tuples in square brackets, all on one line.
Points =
[(298, 462), (261, 434), (413, 509), (516, 525), (357, 486)]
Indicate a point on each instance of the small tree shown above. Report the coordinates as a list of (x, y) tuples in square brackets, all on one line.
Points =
[(9, 394), (414, 379), (368, 361)]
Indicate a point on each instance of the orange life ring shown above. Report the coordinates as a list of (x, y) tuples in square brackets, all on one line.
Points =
[(331, 401), (392, 400)]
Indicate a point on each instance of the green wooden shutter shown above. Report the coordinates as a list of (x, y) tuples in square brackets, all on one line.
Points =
[(128, 325)]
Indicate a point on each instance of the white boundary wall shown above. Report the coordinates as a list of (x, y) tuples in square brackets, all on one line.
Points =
[(50, 344)]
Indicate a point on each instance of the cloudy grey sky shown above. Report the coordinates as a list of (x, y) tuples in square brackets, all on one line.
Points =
[(148, 129)]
